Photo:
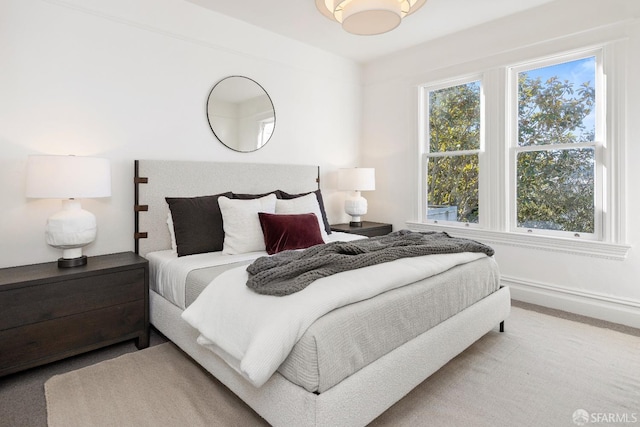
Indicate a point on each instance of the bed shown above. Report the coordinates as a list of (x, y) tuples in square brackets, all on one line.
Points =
[(313, 386)]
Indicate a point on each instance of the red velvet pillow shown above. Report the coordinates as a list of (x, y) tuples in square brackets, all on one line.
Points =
[(283, 231)]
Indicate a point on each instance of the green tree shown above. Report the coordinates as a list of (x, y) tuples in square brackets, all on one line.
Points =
[(454, 125), (555, 187)]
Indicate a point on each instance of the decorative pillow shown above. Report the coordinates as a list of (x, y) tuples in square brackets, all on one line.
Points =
[(301, 205), (197, 223), (172, 233), (254, 196), (242, 230), (318, 193), (283, 232)]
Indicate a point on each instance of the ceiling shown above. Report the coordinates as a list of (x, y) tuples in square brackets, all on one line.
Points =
[(300, 20)]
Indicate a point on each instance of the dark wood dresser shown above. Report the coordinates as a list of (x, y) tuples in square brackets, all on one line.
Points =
[(49, 313)]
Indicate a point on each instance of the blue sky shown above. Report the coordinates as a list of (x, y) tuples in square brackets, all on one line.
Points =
[(577, 72)]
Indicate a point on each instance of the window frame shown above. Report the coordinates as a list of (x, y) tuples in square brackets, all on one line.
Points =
[(424, 133), (598, 145), (495, 163)]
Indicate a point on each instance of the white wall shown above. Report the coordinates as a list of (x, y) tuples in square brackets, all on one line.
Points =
[(128, 79), (594, 286)]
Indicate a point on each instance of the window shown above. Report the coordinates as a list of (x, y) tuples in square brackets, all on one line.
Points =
[(452, 138), (266, 130), (554, 147), (543, 167)]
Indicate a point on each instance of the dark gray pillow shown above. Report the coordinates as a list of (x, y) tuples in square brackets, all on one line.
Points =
[(197, 223), (286, 196), (254, 196)]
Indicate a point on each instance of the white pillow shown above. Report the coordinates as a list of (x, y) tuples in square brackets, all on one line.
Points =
[(302, 205), (242, 230), (172, 233)]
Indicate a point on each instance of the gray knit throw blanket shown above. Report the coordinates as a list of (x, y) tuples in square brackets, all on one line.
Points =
[(291, 271)]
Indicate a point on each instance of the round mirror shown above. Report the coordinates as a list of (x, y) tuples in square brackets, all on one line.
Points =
[(241, 114)]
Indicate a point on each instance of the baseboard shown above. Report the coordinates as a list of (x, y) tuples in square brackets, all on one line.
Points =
[(603, 307)]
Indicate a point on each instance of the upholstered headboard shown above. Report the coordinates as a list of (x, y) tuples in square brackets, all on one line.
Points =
[(156, 179)]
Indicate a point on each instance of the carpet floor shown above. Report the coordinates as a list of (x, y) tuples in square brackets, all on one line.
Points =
[(543, 371)]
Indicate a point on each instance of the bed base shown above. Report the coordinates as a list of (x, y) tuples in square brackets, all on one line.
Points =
[(363, 396)]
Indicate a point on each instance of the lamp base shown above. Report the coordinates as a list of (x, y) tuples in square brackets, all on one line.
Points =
[(72, 262), (356, 206)]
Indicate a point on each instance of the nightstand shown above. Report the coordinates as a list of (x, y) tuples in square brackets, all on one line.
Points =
[(369, 229), (49, 313)]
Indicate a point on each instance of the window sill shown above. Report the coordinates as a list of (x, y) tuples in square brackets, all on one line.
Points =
[(592, 248)]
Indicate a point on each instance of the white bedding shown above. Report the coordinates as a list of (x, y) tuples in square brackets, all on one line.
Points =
[(254, 333), (168, 272)]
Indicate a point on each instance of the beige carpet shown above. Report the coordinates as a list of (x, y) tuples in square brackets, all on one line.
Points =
[(538, 373)]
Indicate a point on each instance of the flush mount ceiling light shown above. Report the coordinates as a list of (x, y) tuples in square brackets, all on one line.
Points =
[(368, 17)]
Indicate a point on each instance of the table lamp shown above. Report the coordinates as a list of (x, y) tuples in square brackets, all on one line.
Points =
[(356, 180), (69, 178)]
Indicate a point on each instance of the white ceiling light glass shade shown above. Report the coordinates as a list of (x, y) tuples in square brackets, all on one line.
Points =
[(368, 17)]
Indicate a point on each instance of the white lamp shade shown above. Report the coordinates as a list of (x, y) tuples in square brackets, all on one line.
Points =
[(357, 179), (68, 177)]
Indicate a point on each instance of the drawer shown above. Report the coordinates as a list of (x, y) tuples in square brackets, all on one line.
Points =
[(44, 342), (32, 304), (373, 232)]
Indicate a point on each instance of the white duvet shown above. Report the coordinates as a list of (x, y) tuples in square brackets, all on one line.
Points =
[(254, 333)]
